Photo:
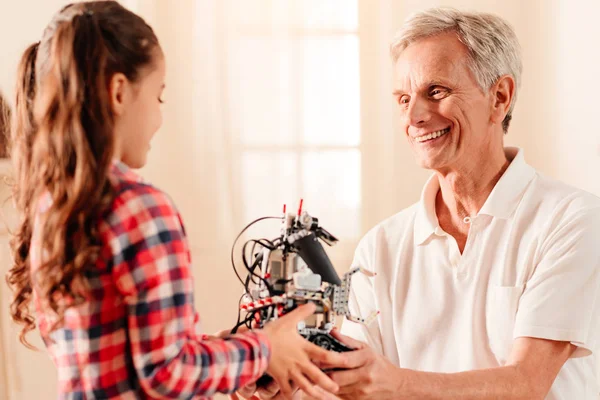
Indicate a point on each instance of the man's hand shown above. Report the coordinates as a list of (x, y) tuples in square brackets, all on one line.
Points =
[(363, 375), (367, 375), (529, 373)]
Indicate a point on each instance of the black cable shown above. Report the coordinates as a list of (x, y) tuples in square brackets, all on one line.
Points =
[(247, 321), (245, 259), (251, 317), (271, 243), (252, 253), (239, 313), (242, 323), (252, 268), (238, 237)]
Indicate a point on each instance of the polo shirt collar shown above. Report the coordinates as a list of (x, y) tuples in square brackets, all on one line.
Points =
[(501, 203)]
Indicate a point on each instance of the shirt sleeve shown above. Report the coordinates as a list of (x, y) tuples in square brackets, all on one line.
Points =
[(152, 271), (561, 300)]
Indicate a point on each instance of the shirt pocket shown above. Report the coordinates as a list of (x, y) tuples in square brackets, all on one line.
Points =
[(502, 306)]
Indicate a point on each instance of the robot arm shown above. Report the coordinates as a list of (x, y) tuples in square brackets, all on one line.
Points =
[(341, 296)]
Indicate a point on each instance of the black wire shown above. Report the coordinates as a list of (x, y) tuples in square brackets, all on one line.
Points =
[(238, 237), (244, 259), (252, 253), (250, 268), (251, 277), (264, 280), (253, 248), (255, 264), (271, 243), (248, 319), (239, 314)]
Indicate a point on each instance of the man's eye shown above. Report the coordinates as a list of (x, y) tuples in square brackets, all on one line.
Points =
[(404, 100), (438, 93)]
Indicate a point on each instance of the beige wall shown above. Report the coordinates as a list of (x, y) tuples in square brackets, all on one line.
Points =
[(577, 135), (557, 99)]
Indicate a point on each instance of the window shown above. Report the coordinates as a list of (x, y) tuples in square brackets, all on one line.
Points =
[(293, 98)]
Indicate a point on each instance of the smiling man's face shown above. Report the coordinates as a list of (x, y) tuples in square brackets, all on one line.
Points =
[(445, 114)]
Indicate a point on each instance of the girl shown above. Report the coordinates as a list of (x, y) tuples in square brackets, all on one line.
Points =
[(103, 255)]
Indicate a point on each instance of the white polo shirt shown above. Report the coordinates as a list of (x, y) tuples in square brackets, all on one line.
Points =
[(531, 267)]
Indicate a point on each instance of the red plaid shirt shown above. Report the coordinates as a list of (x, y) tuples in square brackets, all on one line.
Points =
[(137, 337)]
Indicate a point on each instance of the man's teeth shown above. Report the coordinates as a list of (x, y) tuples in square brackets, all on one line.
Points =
[(433, 135)]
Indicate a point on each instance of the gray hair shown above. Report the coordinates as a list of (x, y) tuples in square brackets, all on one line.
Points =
[(492, 44)]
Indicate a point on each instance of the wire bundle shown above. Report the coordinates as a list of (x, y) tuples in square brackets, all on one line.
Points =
[(251, 262)]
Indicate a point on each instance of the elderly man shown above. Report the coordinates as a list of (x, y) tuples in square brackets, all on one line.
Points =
[(489, 286)]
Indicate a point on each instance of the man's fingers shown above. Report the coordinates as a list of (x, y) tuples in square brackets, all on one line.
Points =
[(349, 392), (347, 360), (347, 340), (346, 378), (357, 358), (325, 358)]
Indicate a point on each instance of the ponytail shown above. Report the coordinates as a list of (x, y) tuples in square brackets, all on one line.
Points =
[(21, 141)]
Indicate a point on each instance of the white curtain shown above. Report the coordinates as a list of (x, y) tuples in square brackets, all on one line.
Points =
[(265, 104)]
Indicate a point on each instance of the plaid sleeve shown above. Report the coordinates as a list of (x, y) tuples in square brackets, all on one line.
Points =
[(151, 268)]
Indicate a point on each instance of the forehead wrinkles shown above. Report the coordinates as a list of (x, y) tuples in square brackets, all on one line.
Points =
[(419, 74), (439, 58)]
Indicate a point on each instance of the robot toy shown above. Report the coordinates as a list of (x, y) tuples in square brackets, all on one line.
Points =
[(291, 270)]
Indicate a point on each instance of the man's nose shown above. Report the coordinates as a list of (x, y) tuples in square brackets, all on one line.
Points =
[(418, 111)]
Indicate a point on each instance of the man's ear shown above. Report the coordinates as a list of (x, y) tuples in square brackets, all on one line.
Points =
[(503, 92), (118, 92)]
